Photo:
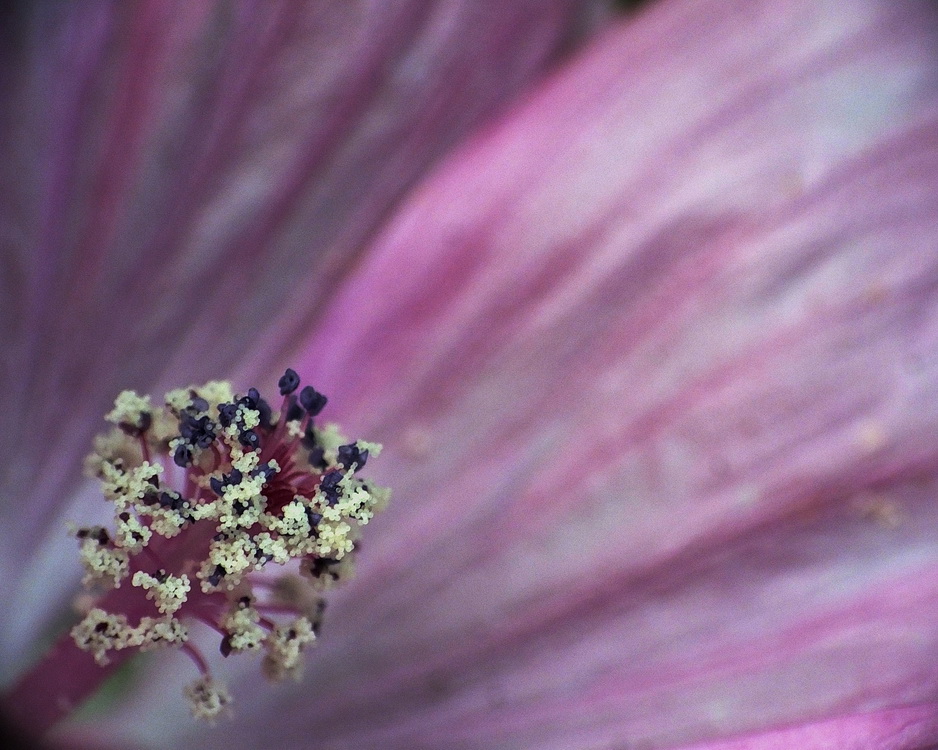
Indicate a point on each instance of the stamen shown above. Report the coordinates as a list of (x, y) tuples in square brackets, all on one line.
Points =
[(207, 698), (208, 491), (284, 646)]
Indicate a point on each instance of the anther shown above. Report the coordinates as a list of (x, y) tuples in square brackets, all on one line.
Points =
[(182, 456), (352, 454), (251, 399), (199, 404), (294, 412), (329, 486), (139, 427), (288, 382), (312, 400), (227, 414), (317, 458), (249, 439)]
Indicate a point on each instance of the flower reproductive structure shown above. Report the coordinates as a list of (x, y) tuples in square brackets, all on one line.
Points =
[(211, 492)]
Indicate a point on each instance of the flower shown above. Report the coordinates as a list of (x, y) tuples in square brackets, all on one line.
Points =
[(653, 361), (186, 183)]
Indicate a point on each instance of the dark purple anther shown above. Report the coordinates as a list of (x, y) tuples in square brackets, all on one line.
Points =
[(312, 400), (289, 382)]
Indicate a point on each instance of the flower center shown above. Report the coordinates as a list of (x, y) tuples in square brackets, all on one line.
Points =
[(209, 490)]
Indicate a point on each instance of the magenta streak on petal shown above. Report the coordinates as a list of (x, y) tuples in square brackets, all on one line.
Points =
[(81, 51), (120, 143), (907, 728), (322, 141), (421, 316)]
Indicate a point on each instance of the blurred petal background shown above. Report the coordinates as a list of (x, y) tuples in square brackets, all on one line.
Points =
[(653, 354)]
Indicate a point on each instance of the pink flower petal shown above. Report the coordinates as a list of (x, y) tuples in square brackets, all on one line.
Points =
[(895, 729), (179, 179), (655, 363)]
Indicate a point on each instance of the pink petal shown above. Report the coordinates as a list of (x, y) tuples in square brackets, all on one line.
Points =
[(895, 729), (655, 363), (180, 178)]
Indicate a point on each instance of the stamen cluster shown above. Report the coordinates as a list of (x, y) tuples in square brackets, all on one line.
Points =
[(209, 490)]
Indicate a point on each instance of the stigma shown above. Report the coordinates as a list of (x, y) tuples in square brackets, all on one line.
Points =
[(229, 515)]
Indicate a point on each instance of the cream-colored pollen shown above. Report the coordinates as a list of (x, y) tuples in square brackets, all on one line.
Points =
[(216, 392), (274, 547), (163, 428), (178, 399), (334, 540), (169, 594), (289, 534), (247, 462), (354, 501), (167, 523), (379, 498), (103, 565), (129, 408), (204, 510), (244, 632), (292, 521), (284, 646), (100, 632), (159, 632), (243, 503), (333, 576), (125, 487), (130, 533), (235, 555), (179, 442), (374, 449), (113, 447), (250, 417), (207, 698)]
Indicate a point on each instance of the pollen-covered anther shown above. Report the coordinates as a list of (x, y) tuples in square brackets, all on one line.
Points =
[(126, 486), (244, 632), (284, 646), (132, 413), (207, 491), (229, 558), (114, 448), (207, 697), (168, 592), (104, 565), (130, 532), (158, 632), (100, 632)]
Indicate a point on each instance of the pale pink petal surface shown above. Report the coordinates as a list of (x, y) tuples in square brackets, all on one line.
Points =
[(655, 362), (180, 178), (907, 728)]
